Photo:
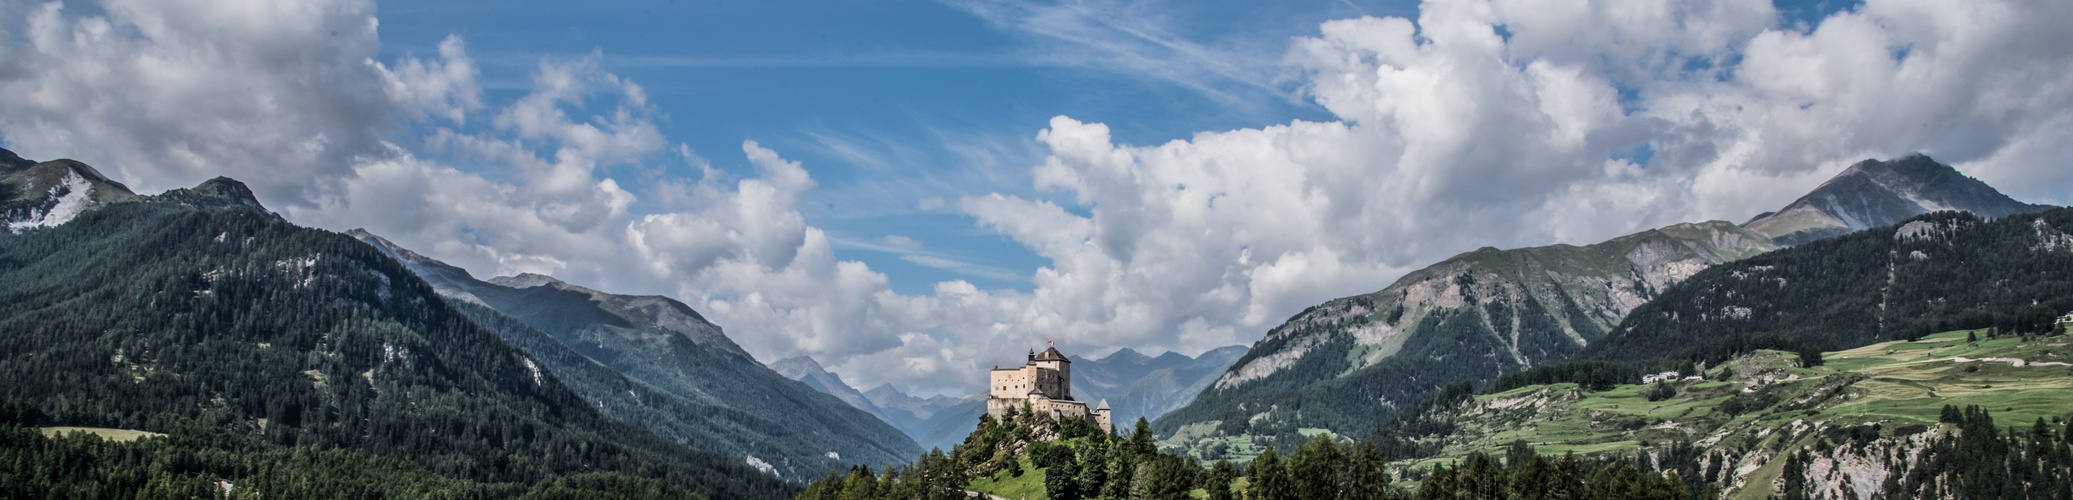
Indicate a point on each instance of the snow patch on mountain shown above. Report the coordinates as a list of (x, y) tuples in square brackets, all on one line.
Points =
[(70, 197)]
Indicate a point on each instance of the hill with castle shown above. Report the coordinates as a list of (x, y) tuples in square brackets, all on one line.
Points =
[(1044, 386)]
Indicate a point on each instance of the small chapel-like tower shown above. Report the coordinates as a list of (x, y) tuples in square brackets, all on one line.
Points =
[(1045, 384)]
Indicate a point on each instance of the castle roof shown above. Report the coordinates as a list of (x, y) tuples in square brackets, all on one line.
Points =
[(1051, 354), (1104, 405)]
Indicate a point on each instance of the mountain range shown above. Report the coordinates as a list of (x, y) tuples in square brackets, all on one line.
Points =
[(1484, 313), (660, 364), (1136, 385)]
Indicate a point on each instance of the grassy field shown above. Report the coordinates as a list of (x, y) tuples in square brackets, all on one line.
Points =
[(117, 435), (1894, 384), (1029, 485)]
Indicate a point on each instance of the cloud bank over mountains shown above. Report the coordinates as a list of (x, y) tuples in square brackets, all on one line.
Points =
[(1502, 122)]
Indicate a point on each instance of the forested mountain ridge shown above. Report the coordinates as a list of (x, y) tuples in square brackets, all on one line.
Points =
[(194, 314), (1935, 272), (744, 409), (1344, 364)]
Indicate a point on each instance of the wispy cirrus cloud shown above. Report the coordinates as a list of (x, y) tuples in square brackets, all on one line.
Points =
[(912, 251), (1133, 38)]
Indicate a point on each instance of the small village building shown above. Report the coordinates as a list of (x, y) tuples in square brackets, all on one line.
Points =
[(1660, 377), (1045, 384)]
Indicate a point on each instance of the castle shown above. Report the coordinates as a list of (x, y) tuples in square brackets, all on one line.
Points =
[(1045, 384)]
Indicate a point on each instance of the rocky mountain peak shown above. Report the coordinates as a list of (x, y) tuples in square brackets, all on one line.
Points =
[(525, 280), (885, 392), (1127, 355), (221, 193), (11, 161), (1875, 193), (797, 366)]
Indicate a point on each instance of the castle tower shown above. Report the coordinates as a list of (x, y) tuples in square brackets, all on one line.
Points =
[(1056, 373), (1101, 418)]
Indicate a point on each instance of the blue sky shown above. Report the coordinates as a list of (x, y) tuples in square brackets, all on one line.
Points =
[(886, 103), (938, 185)]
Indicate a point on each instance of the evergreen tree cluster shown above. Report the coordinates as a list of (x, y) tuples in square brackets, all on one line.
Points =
[(1321, 468), (152, 315), (1525, 475), (1591, 375), (1978, 461), (196, 461), (1417, 431)]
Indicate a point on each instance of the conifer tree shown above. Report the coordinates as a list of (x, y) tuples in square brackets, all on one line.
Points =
[(1367, 473), (1218, 482), (1141, 442), (1531, 479), (1059, 480), (1270, 479), (1121, 471), (1795, 476), (1314, 468)]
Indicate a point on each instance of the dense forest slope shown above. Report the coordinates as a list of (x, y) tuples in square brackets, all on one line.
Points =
[(1934, 272), (198, 314), (694, 385), (1349, 362)]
